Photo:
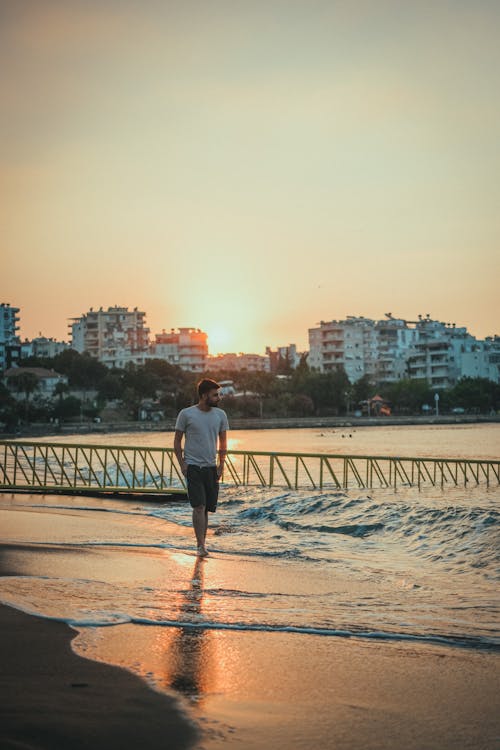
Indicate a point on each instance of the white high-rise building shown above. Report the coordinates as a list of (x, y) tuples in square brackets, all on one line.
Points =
[(394, 340), (10, 345), (116, 336), (443, 353), (492, 346), (392, 349)]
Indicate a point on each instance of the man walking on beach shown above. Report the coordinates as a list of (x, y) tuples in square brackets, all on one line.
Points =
[(204, 426)]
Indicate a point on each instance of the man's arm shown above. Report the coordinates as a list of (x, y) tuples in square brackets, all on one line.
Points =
[(179, 452), (222, 452)]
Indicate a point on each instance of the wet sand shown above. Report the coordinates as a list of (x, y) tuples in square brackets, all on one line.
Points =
[(294, 691), (51, 698), (256, 690), (242, 689), (261, 690), (271, 690)]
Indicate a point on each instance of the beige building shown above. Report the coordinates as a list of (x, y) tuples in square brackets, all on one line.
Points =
[(350, 344), (185, 347), (239, 362)]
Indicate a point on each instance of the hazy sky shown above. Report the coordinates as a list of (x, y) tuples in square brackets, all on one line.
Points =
[(249, 167)]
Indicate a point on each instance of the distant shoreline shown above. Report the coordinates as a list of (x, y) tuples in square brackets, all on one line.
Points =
[(167, 425)]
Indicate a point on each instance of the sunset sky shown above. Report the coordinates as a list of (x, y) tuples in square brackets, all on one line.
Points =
[(250, 167)]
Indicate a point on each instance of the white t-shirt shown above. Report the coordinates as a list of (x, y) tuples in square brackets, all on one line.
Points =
[(202, 430)]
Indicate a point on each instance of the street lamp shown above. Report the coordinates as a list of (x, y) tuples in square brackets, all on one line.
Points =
[(436, 401), (347, 395)]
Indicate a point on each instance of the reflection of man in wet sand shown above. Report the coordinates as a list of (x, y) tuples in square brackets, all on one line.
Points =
[(191, 664), (203, 426)]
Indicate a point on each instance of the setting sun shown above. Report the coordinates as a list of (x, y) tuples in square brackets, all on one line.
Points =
[(220, 339), (255, 191)]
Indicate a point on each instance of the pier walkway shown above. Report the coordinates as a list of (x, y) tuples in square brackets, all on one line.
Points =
[(86, 468)]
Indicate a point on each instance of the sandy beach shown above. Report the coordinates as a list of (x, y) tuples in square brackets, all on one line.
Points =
[(277, 692), (239, 688), (53, 699), (321, 619)]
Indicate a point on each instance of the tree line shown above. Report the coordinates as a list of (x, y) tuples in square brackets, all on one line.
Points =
[(302, 392)]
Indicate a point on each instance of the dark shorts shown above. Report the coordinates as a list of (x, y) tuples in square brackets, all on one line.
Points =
[(203, 487)]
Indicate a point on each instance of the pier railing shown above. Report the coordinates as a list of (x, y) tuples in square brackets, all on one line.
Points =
[(66, 467)]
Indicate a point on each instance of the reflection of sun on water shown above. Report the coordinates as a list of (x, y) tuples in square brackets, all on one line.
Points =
[(179, 658), (185, 561), (191, 656), (233, 444)]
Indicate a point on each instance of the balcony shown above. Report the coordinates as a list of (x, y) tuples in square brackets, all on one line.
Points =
[(336, 340), (333, 348)]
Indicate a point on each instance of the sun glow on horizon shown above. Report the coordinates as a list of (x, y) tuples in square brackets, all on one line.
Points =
[(281, 169), (220, 339)]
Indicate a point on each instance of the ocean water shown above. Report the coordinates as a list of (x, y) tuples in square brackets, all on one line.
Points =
[(378, 564), (452, 441)]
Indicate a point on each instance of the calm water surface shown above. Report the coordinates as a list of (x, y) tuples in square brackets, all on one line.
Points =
[(446, 441)]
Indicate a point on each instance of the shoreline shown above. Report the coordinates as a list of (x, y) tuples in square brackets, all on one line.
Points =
[(253, 689), (369, 695), (136, 683), (53, 699), (167, 425)]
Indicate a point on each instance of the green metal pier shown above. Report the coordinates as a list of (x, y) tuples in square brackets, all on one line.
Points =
[(86, 468)]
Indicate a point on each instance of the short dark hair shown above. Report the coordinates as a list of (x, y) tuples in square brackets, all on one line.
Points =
[(206, 385)]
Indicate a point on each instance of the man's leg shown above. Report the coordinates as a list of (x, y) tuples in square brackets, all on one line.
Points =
[(211, 486), (206, 528), (200, 523), (197, 498)]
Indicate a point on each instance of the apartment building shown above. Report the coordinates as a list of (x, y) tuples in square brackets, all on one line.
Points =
[(479, 363), (431, 360), (350, 344), (185, 347), (116, 336), (10, 345), (391, 349), (394, 339), (239, 362), (443, 353), (42, 347), (492, 346)]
